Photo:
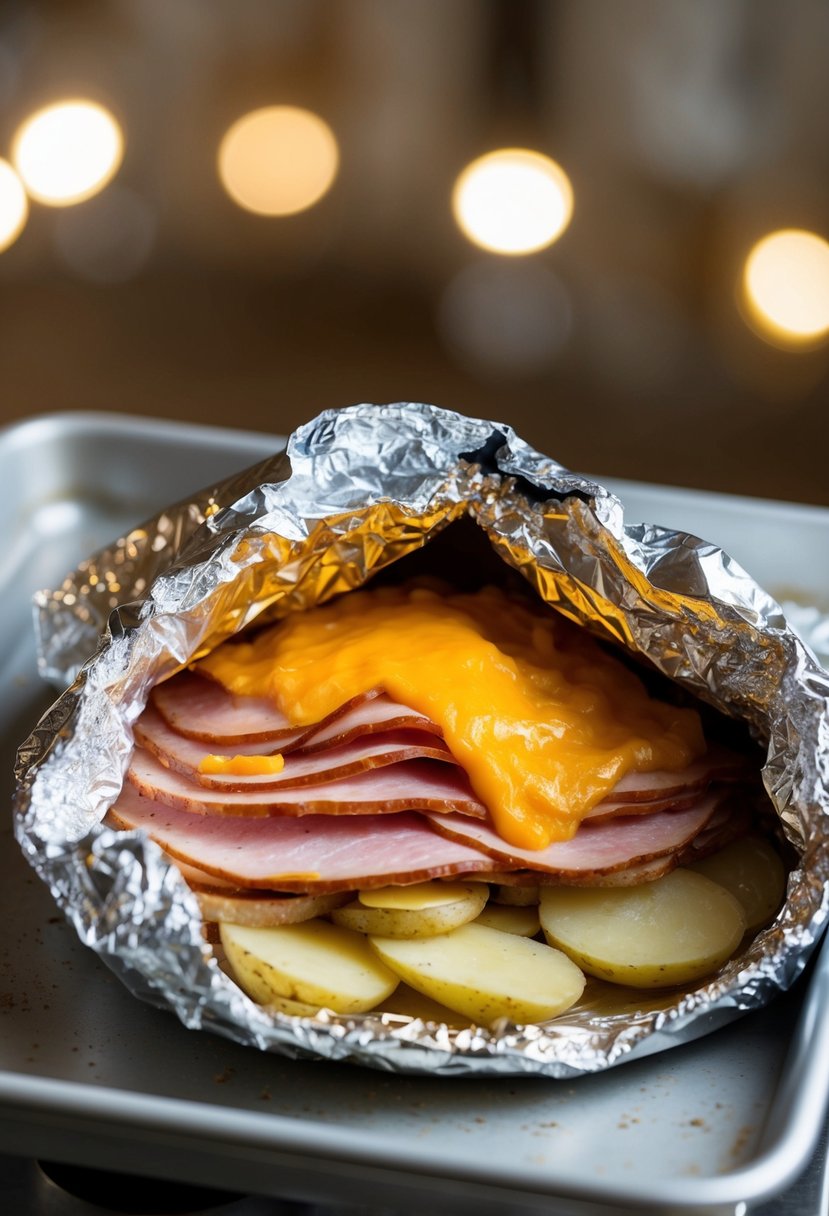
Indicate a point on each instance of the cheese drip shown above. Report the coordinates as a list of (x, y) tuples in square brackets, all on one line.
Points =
[(243, 766), (543, 721)]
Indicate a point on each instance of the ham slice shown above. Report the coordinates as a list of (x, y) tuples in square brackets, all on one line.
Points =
[(202, 709), (325, 853), (613, 808), (194, 877), (190, 709), (718, 764), (630, 876), (372, 795), (596, 848), (411, 785), (315, 854), (728, 821), (184, 755)]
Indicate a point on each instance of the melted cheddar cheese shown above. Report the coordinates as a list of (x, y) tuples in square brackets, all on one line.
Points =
[(242, 766), (543, 720)]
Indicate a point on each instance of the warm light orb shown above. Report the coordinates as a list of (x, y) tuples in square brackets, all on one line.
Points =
[(786, 287), (278, 161), (14, 206), (513, 201), (67, 152)]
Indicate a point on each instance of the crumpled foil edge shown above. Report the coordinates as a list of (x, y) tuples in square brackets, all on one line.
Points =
[(359, 488)]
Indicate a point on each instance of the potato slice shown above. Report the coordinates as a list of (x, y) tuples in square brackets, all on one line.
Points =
[(484, 974), (314, 963), (418, 895), (671, 931), (752, 870), (517, 919), (405, 1002), (283, 1004), (264, 910), (426, 920)]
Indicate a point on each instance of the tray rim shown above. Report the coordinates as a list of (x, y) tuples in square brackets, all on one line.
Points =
[(767, 1174), (96, 421)]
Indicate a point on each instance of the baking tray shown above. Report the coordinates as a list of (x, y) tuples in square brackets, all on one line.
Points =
[(91, 1075)]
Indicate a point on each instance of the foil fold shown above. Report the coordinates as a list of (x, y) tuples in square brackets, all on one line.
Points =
[(356, 490)]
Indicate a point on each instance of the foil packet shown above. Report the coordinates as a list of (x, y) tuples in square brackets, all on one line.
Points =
[(356, 490)]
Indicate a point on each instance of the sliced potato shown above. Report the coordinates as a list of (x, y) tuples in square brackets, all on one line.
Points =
[(671, 931), (484, 974), (418, 895), (314, 963), (405, 1002), (425, 921), (296, 1009), (522, 921), (752, 870), (264, 909)]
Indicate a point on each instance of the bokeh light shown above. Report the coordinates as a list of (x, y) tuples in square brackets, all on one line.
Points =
[(513, 201), (14, 206), (785, 288), (67, 152), (278, 160)]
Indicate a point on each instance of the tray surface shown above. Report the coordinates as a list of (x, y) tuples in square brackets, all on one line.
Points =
[(88, 1073)]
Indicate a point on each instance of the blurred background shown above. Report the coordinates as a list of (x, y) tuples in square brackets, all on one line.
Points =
[(602, 221)]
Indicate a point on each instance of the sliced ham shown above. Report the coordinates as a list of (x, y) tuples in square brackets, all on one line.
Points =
[(192, 708), (365, 715), (596, 848), (613, 808), (376, 783), (732, 819), (630, 876), (718, 764), (728, 821), (202, 709), (184, 755), (318, 854), (314, 855), (194, 877), (411, 785)]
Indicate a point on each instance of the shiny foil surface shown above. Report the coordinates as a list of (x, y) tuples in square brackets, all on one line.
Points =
[(358, 489)]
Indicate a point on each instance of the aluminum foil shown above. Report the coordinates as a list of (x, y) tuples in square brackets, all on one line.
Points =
[(361, 488)]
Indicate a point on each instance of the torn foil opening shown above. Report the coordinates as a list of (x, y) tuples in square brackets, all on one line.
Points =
[(357, 490)]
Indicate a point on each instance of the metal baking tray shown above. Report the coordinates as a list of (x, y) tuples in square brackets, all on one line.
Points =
[(88, 1074)]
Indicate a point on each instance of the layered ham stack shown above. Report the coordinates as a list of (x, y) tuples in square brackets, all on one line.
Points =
[(372, 796)]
